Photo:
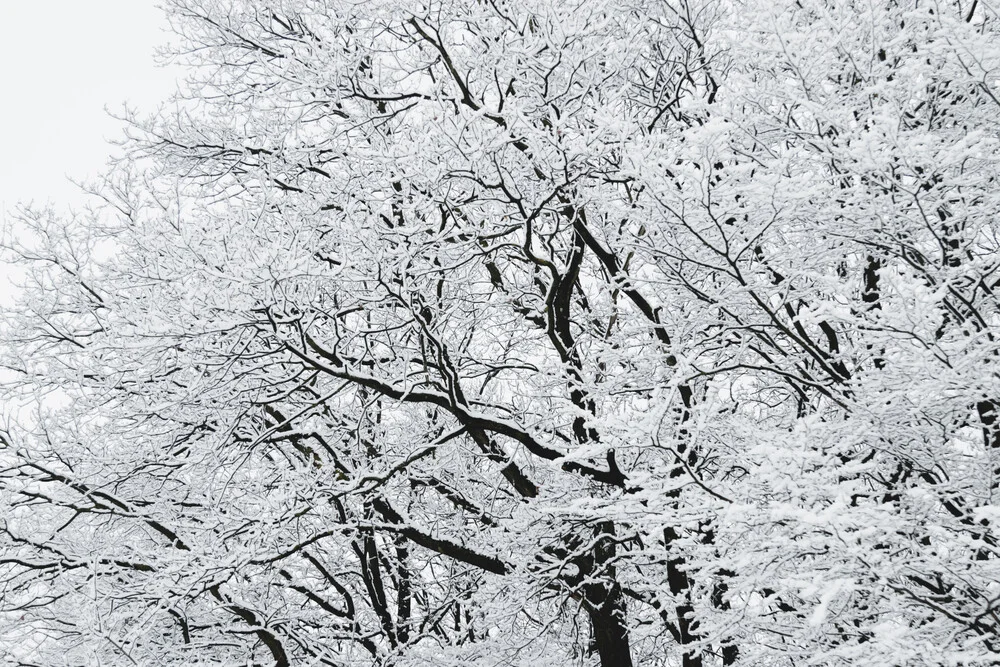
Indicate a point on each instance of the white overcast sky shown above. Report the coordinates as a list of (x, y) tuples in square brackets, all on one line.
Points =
[(61, 63)]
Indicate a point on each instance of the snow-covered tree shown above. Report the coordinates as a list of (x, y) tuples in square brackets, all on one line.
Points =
[(535, 332)]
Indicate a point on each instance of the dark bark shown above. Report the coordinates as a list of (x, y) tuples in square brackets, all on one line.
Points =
[(604, 600), (610, 634), (404, 593), (444, 547)]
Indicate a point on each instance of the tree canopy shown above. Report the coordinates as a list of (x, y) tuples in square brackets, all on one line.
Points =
[(534, 332)]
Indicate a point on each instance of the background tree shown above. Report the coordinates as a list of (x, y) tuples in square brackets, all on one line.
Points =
[(608, 333)]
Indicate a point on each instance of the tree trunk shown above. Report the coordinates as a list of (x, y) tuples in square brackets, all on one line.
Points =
[(605, 602), (610, 633)]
